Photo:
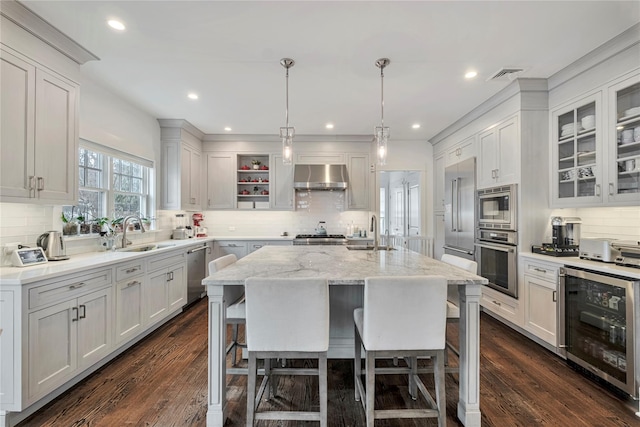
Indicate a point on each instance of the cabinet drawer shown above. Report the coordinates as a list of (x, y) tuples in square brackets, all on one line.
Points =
[(542, 270), (501, 307), (129, 270), (166, 260), (68, 287)]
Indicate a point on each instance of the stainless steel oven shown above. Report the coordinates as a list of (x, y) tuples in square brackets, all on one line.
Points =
[(496, 207), (498, 263)]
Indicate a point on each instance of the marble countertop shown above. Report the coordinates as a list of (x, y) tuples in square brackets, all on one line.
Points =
[(572, 261), (11, 276), (338, 264)]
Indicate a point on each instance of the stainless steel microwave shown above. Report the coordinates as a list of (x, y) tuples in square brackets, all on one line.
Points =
[(496, 207)]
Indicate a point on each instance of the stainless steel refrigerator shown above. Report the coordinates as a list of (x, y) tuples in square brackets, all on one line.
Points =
[(459, 207)]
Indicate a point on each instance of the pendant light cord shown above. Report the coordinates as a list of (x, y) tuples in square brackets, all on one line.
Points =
[(286, 110), (382, 96)]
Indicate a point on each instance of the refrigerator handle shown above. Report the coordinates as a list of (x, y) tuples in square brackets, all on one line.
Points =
[(458, 182), (454, 204)]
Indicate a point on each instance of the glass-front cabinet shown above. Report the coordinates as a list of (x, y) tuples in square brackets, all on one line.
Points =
[(624, 152), (577, 152)]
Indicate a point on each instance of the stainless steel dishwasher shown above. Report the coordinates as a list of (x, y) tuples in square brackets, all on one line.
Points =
[(196, 271)]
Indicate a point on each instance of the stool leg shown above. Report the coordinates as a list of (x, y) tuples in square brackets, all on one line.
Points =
[(322, 381), (370, 367), (357, 362), (413, 386), (251, 389), (441, 398), (234, 348)]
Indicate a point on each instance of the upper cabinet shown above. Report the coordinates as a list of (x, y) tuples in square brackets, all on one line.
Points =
[(498, 157), (576, 152), (40, 68), (281, 184), (595, 147), (358, 191), (221, 180), (180, 187), (624, 151), (39, 133)]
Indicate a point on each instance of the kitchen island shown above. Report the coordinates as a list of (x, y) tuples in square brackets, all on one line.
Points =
[(345, 270)]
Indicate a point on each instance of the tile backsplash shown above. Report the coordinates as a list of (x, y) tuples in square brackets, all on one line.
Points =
[(621, 223)]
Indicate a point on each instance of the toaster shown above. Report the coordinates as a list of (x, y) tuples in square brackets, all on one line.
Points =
[(598, 249)]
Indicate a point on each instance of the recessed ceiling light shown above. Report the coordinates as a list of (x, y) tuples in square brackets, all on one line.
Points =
[(470, 74), (416, 126), (192, 95), (329, 126), (116, 25), (228, 129)]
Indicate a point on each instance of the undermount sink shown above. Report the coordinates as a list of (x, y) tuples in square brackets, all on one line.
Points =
[(146, 248), (370, 248)]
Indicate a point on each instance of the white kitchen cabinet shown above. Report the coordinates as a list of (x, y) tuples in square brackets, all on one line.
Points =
[(540, 299), (576, 153), (461, 151), (166, 288), (221, 180), (7, 338), (226, 247), (129, 320), (358, 191), (39, 133), (623, 131), (499, 154), (282, 193), (320, 159), (181, 160), (255, 245), (67, 337), (504, 306)]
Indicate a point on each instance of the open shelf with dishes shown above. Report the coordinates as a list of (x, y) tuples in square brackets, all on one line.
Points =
[(253, 183)]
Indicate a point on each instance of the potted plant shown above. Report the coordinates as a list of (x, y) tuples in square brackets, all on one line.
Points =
[(69, 226), (256, 164)]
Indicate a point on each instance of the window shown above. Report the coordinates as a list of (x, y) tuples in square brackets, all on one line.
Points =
[(111, 184)]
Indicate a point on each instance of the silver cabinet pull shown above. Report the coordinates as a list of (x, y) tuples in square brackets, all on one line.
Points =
[(132, 270), (555, 296), (597, 190), (40, 183), (541, 270), (611, 189), (132, 283), (77, 285), (497, 303)]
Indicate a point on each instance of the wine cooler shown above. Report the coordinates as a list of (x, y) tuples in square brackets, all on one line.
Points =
[(598, 325)]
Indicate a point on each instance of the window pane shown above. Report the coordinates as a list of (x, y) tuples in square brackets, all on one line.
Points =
[(125, 167), (125, 184), (93, 179), (91, 204), (116, 182), (136, 185), (81, 177), (81, 157), (127, 205), (136, 170)]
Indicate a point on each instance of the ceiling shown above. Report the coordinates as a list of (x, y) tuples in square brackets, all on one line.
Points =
[(229, 54)]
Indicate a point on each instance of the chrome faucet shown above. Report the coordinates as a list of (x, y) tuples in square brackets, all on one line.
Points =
[(374, 230), (126, 242)]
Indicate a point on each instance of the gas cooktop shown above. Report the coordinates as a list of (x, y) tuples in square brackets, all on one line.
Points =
[(320, 239), (320, 236)]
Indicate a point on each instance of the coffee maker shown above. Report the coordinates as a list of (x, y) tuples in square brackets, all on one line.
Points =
[(565, 231)]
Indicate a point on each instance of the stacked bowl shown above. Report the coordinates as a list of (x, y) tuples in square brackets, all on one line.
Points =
[(568, 129), (588, 122)]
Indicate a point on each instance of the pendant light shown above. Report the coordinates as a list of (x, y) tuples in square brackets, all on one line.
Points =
[(382, 132), (287, 133)]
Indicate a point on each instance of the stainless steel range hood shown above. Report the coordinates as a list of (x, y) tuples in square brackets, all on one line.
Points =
[(320, 177)]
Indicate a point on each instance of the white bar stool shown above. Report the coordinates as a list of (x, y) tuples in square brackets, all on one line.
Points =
[(286, 318), (236, 312), (453, 299), (402, 317)]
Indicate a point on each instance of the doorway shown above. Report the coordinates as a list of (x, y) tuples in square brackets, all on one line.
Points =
[(400, 213)]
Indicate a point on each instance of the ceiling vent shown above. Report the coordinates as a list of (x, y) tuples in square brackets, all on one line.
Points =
[(506, 73)]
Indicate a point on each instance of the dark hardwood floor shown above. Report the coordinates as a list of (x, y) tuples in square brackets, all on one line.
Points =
[(162, 381)]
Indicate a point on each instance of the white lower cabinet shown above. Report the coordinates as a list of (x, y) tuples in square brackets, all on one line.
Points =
[(226, 247), (541, 296), (67, 336), (166, 288), (129, 320), (502, 305), (7, 359)]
